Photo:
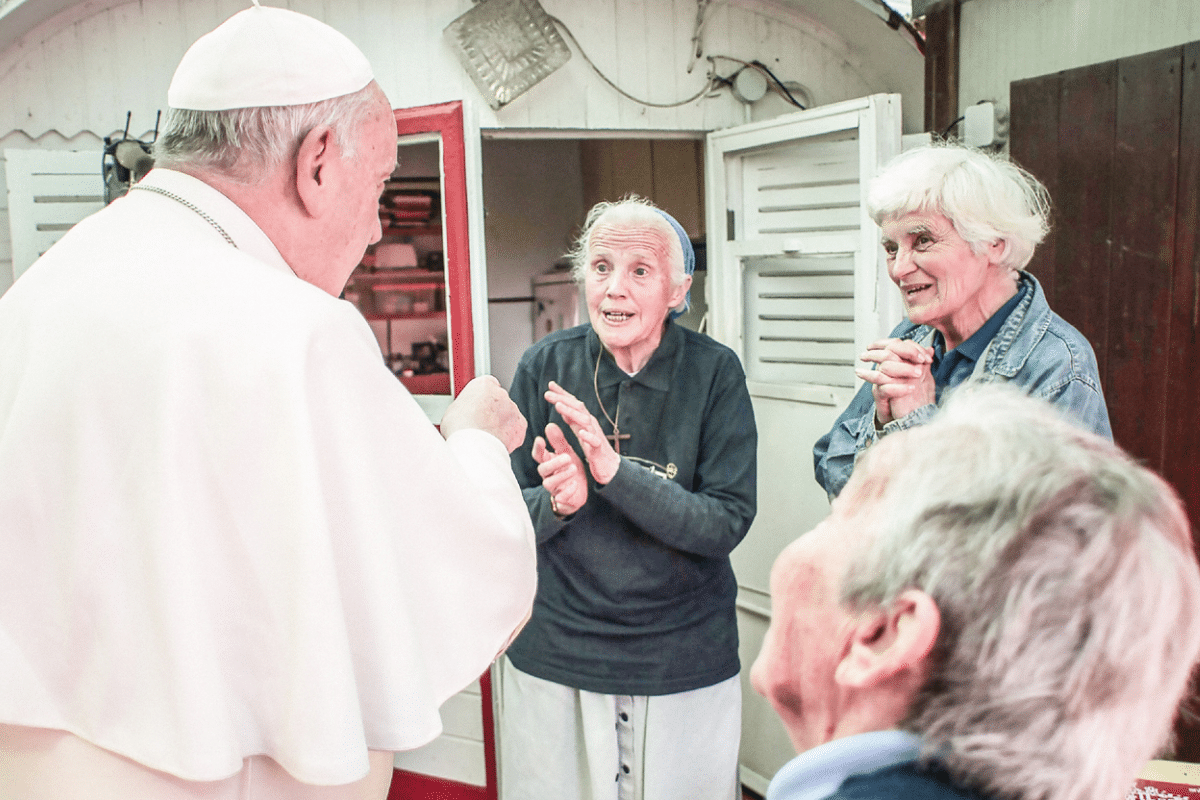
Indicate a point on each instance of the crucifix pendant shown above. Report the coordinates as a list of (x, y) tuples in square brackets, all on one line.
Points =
[(616, 437)]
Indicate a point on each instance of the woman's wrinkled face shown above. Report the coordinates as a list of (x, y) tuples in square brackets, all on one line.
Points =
[(629, 290), (942, 281)]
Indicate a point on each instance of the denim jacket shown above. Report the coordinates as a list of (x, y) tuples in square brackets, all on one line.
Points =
[(1035, 349)]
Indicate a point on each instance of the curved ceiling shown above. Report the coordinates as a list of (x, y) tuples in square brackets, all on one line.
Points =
[(19, 17), (843, 17)]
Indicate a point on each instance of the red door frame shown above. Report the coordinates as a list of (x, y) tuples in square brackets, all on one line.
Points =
[(446, 119)]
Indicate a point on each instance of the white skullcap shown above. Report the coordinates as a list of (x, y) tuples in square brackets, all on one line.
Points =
[(267, 57)]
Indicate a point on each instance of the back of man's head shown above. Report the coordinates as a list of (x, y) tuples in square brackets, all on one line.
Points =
[(1067, 586), (245, 93)]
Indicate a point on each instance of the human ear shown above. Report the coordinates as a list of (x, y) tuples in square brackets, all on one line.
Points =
[(679, 292), (887, 642), (313, 159), (997, 251)]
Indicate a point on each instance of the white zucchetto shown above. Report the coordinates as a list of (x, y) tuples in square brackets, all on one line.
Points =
[(267, 56)]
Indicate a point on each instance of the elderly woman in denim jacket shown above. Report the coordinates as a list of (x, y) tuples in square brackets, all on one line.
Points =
[(959, 225)]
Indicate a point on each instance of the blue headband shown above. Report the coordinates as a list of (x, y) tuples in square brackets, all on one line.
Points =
[(689, 258)]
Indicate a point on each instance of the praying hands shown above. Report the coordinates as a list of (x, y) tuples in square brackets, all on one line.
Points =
[(900, 378)]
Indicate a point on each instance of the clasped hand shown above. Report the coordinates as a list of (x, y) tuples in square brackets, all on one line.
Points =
[(560, 466), (901, 381)]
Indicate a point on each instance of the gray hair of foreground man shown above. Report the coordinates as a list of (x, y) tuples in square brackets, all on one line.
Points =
[(243, 143), (1067, 585)]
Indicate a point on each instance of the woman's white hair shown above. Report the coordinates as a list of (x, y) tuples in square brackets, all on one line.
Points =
[(1067, 585), (635, 212), (242, 144), (986, 196)]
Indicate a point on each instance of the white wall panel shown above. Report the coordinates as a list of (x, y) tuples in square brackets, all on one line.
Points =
[(790, 503), (6, 273), (1006, 40), (84, 68), (457, 754)]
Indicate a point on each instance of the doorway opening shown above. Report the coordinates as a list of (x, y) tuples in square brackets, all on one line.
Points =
[(536, 194)]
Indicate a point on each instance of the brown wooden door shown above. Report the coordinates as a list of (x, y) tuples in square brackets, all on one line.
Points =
[(1118, 146)]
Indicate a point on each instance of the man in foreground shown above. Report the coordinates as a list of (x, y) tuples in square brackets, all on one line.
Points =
[(1000, 605), (238, 559)]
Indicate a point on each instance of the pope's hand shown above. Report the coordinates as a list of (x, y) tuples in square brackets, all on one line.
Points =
[(484, 404)]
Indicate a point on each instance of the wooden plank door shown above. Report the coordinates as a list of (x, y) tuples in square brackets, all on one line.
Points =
[(1118, 146)]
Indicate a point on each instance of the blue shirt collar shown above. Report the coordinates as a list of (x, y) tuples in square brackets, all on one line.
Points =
[(977, 342), (973, 348), (817, 773)]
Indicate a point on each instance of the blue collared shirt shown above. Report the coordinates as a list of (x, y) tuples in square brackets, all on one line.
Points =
[(636, 593), (951, 369), (1035, 350), (817, 773)]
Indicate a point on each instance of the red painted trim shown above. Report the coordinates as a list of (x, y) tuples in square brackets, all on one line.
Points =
[(489, 737), (411, 786), (446, 119)]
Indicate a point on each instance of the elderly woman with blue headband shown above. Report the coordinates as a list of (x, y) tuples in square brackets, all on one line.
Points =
[(959, 226), (639, 473)]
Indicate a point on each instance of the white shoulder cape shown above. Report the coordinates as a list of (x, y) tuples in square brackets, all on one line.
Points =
[(226, 528)]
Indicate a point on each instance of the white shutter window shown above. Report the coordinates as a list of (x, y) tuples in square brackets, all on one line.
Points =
[(799, 253), (797, 286), (805, 187), (799, 319), (48, 192)]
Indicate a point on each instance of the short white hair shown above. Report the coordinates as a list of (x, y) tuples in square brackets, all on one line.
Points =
[(630, 211), (986, 196), (244, 143), (1067, 585)]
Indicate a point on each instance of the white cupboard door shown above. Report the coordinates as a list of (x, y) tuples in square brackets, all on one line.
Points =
[(797, 287), (48, 192)]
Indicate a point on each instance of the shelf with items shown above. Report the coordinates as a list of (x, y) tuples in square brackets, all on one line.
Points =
[(398, 294), (400, 285), (400, 231), (406, 309), (408, 205), (433, 383), (410, 215)]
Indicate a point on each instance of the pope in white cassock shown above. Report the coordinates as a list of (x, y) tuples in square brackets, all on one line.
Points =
[(238, 560)]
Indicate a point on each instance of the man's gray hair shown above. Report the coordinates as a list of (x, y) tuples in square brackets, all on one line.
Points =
[(1068, 589), (633, 211), (986, 196), (242, 144)]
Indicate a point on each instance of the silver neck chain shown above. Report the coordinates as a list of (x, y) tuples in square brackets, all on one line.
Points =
[(203, 214)]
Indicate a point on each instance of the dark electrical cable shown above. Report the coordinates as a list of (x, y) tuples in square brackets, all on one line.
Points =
[(946, 132), (771, 77), (713, 81), (708, 85), (778, 83)]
